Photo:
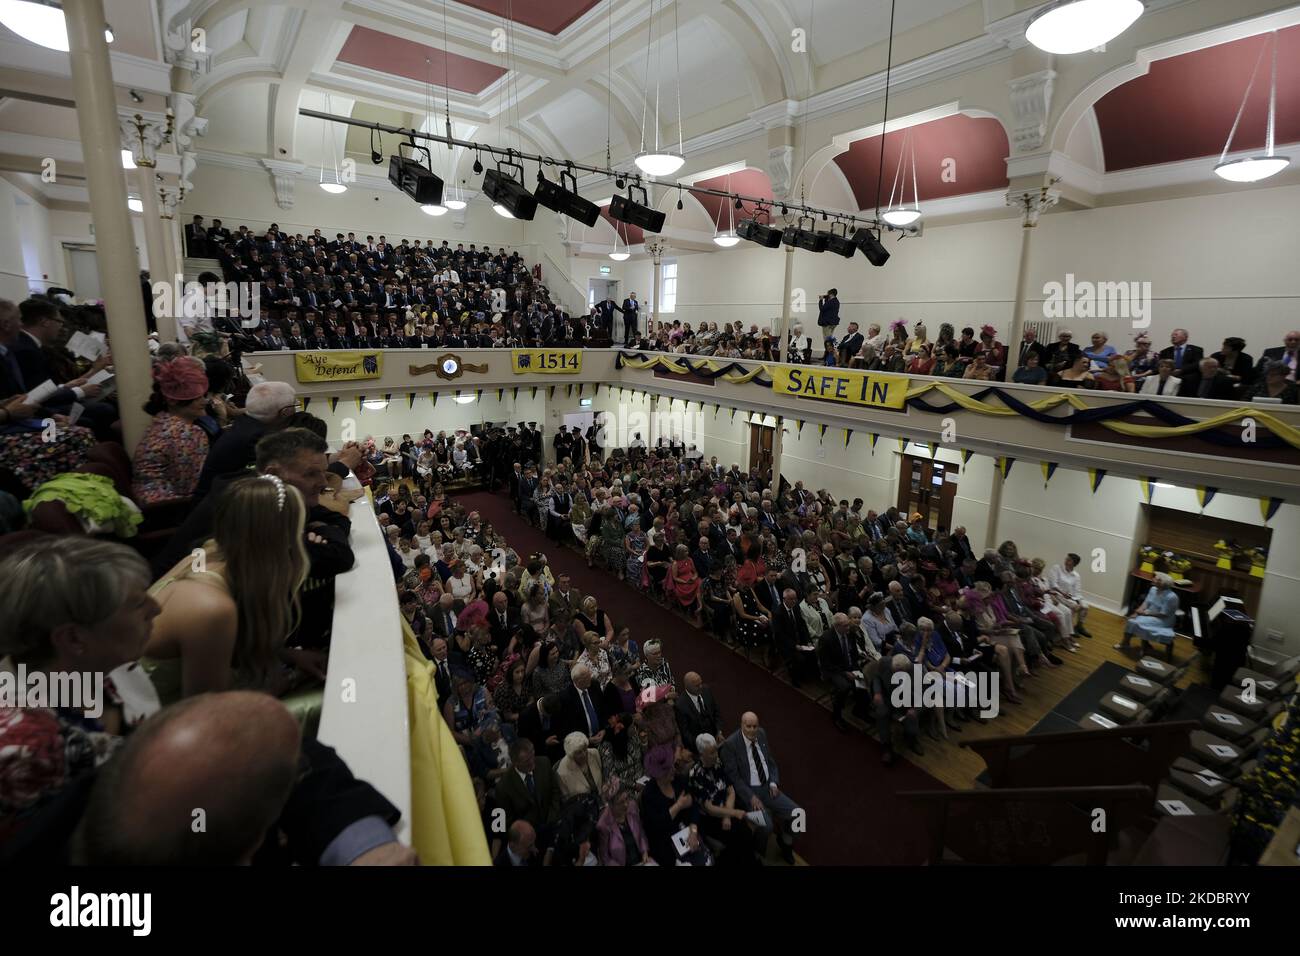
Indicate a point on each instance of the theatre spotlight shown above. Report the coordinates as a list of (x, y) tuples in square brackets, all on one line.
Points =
[(870, 245), (802, 238), (839, 242), (566, 201), (413, 178), (510, 198), (757, 232), (639, 214)]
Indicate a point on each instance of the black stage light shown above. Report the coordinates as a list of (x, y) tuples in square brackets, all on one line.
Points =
[(566, 201), (804, 238), (759, 233), (639, 214), (839, 242), (413, 178), (870, 245), (509, 196)]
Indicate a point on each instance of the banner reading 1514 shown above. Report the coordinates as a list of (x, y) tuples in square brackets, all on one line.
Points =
[(840, 385), (549, 361)]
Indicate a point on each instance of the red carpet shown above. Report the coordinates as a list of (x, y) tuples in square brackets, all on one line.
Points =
[(854, 817)]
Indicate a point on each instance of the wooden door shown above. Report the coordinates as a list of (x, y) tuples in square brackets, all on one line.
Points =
[(760, 447), (927, 487)]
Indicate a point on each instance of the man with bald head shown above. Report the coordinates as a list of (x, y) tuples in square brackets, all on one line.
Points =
[(205, 781), (521, 846), (750, 767), (697, 711)]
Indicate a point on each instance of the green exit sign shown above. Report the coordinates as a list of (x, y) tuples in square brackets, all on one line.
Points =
[(604, 270)]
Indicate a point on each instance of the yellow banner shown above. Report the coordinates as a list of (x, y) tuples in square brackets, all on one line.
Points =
[(548, 361), (847, 386), (337, 366)]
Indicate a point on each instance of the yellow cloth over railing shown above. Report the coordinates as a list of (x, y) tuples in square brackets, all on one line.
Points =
[(446, 826)]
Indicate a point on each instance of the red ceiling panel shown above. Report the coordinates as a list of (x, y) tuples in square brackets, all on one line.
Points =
[(628, 233), (977, 147), (397, 56), (549, 15), (748, 182), (1184, 106)]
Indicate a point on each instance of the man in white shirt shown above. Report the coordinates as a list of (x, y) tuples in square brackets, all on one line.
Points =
[(748, 763), (1067, 589)]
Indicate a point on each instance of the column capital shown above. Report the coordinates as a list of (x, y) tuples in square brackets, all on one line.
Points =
[(1032, 201), (284, 173), (144, 133)]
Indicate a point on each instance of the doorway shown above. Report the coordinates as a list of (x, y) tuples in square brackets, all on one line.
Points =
[(598, 290), (761, 438), (83, 270), (927, 487)]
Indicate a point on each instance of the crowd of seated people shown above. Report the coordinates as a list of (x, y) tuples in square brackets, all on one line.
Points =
[(197, 587)]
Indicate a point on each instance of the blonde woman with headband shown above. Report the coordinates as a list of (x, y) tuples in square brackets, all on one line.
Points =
[(228, 607)]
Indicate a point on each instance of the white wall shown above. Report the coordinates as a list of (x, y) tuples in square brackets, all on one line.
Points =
[(1210, 260), (29, 258)]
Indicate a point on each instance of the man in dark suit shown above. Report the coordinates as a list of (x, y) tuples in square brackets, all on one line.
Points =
[(580, 707), (790, 632), (196, 238), (1288, 353), (697, 712), (530, 792), (565, 598), (751, 768), (503, 620), (851, 344), (1215, 382), (828, 312), (841, 662), (1030, 345), (631, 310), (520, 848), (1187, 361)]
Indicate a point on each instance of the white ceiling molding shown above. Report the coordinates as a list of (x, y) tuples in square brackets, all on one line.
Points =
[(69, 151)]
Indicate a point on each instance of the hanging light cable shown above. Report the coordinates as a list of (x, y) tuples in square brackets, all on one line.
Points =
[(618, 255), (656, 162), (1251, 169), (729, 238), (337, 186), (456, 200), (903, 214)]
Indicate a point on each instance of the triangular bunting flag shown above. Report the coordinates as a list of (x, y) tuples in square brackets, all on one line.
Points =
[(1205, 494), (334, 403), (1268, 507), (1148, 486), (902, 444), (550, 392), (716, 408), (501, 394), (515, 393), (534, 391), (568, 391), (478, 394), (306, 400), (360, 399), (1004, 466), (821, 432), (433, 397), (799, 422), (410, 399), (848, 433), (933, 446), (874, 438), (733, 414), (966, 456), (1095, 475), (388, 397), (458, 394), (1049, 469)]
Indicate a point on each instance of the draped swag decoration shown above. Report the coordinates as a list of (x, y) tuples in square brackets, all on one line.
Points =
[(1174, 425)]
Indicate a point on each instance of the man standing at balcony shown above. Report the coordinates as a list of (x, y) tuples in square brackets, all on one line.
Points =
[(631, 310), (828, 314), (1187, 361)]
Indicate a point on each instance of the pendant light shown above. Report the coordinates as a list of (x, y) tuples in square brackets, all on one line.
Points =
[(619, 255), (40, 22), (729, 238), (336, 186), (660, 161), (1251, 169), (1073, 26), (902, 214)]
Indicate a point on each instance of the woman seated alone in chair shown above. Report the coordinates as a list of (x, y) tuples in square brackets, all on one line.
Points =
[(1155, 619)]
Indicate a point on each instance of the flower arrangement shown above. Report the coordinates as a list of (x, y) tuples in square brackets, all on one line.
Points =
[(1227, 551), (1177, 564), (1148, 556), (1258, 559)]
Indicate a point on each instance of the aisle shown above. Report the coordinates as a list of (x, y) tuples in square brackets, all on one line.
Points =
[(853, 814)]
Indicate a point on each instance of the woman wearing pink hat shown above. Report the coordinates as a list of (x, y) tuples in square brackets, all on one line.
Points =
[(171, 454)]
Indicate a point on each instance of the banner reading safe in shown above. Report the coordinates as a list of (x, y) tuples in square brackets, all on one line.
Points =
[(846, 386)]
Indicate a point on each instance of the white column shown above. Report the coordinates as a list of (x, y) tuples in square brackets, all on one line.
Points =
[(783, 333), (995, 507), (1031, 203), (118, 265)]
